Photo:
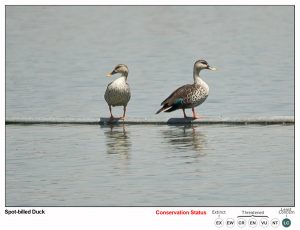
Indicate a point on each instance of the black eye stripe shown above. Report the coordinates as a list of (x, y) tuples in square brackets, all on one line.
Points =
[(119, 66), (202, 62)]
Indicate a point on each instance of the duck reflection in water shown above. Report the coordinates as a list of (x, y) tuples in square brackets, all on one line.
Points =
[(118, 141), (184, 138)]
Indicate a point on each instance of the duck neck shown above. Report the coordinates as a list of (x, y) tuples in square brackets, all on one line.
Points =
[(197, 79), (125, 75)]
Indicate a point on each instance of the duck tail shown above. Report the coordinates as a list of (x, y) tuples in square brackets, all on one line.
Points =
[(171, 109), (177, 104), (162, 108)]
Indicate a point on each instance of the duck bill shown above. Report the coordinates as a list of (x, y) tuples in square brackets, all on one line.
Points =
[(110, 74), (212, 68)]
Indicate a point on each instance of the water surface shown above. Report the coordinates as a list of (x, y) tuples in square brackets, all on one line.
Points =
[(149, 165)]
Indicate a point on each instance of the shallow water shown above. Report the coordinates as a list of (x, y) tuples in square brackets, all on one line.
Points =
[(149, 165), (56, 62)]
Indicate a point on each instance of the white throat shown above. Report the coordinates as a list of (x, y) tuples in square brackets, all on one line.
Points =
[(197, 79), (121, 80)]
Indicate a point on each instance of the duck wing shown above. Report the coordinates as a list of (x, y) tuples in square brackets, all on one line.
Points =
[(177, 99)]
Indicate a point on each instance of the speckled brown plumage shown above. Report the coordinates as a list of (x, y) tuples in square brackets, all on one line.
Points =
[(190, 95)]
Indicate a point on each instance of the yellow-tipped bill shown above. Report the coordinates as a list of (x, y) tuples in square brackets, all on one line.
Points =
[(212, 68), (108, 75)]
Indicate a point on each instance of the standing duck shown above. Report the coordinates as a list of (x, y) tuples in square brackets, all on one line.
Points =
[(118, 92), (188, 96)]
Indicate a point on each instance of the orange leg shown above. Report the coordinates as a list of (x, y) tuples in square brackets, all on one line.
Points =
[(111, 116), (195, 116), (123, 117)]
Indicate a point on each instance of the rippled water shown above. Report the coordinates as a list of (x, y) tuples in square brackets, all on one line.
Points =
[(56, 61), (150, 165)]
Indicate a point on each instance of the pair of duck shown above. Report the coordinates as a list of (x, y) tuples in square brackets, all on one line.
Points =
[(185, 97)]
